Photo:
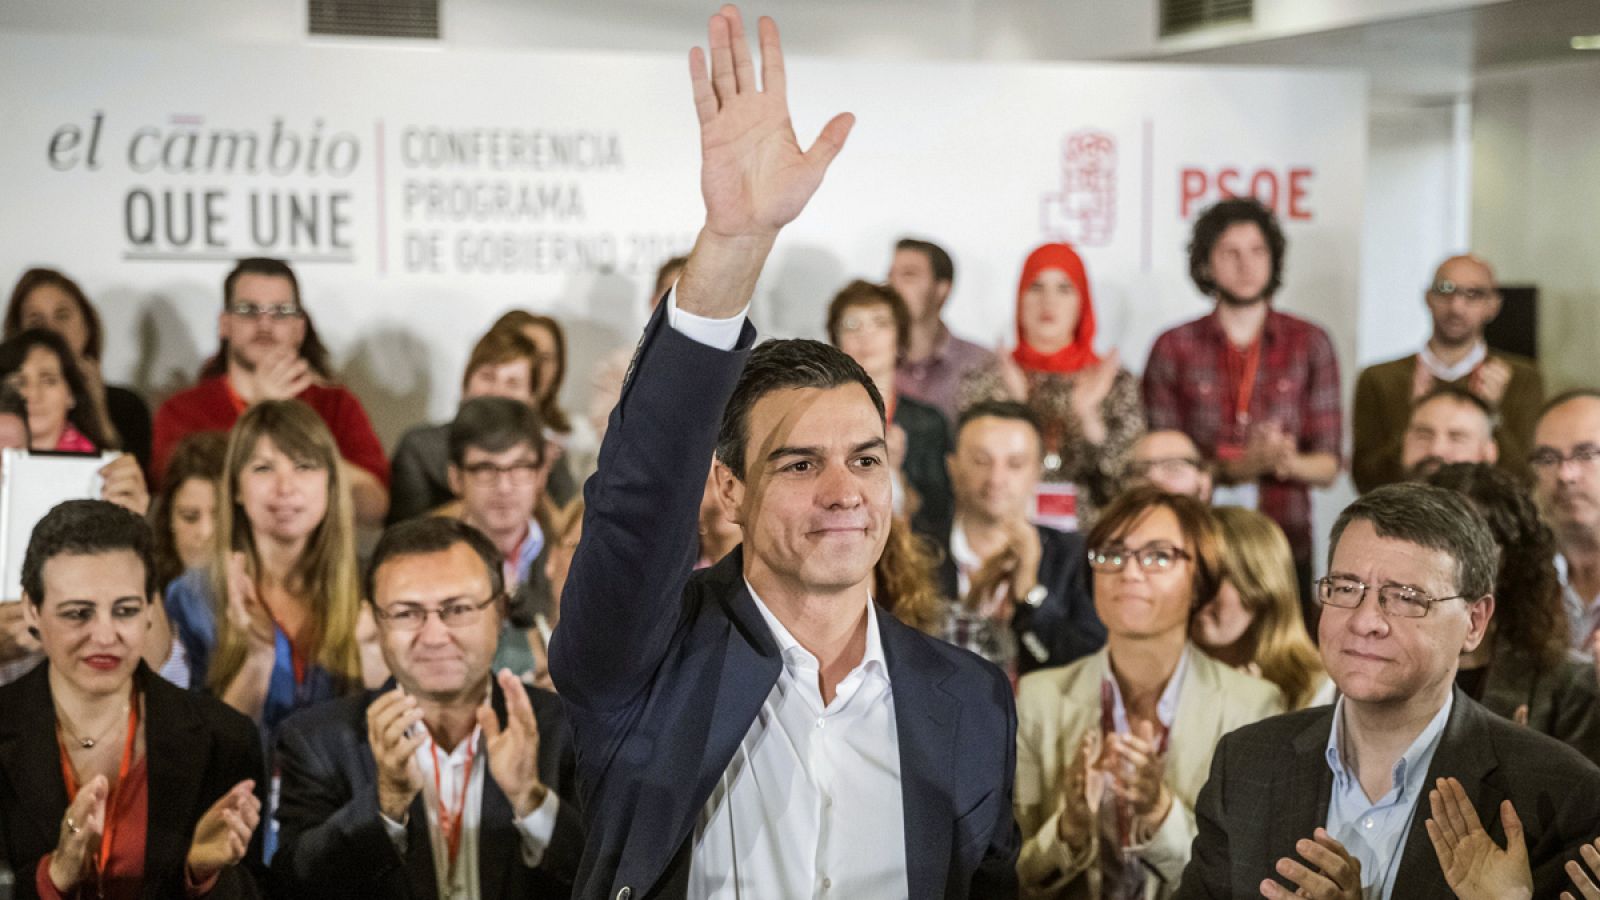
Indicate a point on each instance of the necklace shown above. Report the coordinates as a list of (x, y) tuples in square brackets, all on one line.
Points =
[(87, 743)]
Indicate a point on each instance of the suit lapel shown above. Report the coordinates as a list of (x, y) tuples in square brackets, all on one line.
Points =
[(925, 717), (1308, 788), (30, 759), (1464, 752), (1197, 726), (498, 843), (751, 664), (176, 759), (422, 879)]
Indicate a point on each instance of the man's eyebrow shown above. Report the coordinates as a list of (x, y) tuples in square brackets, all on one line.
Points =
[(808, 452), (874, 444)]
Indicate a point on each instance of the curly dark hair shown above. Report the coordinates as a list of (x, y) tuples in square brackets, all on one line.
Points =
[(1527, 591), (1219, 217)]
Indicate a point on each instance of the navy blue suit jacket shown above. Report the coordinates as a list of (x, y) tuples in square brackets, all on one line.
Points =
[(662, 673)]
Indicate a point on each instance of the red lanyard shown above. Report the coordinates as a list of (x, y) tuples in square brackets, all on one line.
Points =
[(448, 821), (1242, 367), (109, 831)]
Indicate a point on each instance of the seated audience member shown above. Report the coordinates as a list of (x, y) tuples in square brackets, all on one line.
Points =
[(1255, 388), (503, 363), (1523, 669), (45, 298), (1254, 623), (1328, 800), (869, 323), (61, 415), (270, 623), (1088, 406), (1448, 425), (183, 519), (1021, 590), (1566, 486), (1462, 299), (114, 783), (551, 372), (902, 580), (1476, 867), (471, 803), (935, 361), (1112, 749), (270, 351), (719, 534), (1170, 461)]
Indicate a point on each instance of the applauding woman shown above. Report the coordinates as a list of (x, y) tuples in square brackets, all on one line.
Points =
[(114, 783), (270, 625), (1112, 749), (1088, 406)]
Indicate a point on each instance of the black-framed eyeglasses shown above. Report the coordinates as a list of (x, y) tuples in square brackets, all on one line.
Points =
[(1550, 458), (1446, 288), (1393, 599), (278, 312), (1155, 557), (488, 473), (455, 614)]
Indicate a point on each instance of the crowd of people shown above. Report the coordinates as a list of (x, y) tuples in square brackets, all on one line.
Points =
[(888, 616)]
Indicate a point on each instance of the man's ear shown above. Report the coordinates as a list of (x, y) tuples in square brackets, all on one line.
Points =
[(1479, 614), (1491, 454), (730, 492), (452, 474)]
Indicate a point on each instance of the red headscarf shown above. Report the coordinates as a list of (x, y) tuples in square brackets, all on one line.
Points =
[(1080, 352)]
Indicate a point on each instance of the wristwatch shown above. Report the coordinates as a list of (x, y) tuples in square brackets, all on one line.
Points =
[(1035, 596)]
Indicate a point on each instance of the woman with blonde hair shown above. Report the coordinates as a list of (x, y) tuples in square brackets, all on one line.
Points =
[(902, 581), (270, 624), (1255, 623)]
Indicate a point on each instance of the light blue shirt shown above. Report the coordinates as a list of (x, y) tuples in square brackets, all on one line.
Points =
[(1375, 833)]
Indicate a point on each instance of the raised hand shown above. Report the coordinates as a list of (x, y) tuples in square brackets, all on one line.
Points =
[(514, 750), (1421, 379), (1023, 541), (1081, 790), (1012, 378), (222, 837), (1473, 865), (122, 483), (281, 376), (394, 732), (1333, 874), (1489, 382), (246, 612), (79, 836), (1089, 393), (1137, 765), (1585, 881)]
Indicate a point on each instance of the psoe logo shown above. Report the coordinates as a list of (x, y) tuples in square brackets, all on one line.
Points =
[(1084, 210)]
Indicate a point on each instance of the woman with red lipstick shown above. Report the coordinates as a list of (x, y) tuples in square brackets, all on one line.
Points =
[(1088, 404), (270, 625), (114, 783)]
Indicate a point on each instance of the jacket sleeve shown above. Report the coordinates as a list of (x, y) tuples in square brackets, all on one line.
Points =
[(624, 593), (996, 875)]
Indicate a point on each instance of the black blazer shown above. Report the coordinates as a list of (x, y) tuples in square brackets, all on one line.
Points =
[(332, 843), (1065, 625), (662, 673), (1270, 786), (196, 749)]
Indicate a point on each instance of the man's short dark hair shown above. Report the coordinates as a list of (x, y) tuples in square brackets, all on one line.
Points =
[(88, 528), (784, 365), (258, 265), (431, 534), (495, 425), (944, 268), (1216, 219), (1460, 395), (12, 404), (998, 409), (1430, 517), (312, 349)]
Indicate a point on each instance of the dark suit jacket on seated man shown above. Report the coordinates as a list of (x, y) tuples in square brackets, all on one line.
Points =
[(761, 729), (453, 784), (1332, 800)]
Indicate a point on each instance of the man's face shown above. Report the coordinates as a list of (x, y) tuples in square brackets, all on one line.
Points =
[(1241, 263), (1376, 658), (911, 275), (498, 491), (867, 335), (93, 618), (438, 662), (815, 499), (994, 468), (262, 320), (1568, 492), (1170, 461), (1447, 430), (1459, 316)]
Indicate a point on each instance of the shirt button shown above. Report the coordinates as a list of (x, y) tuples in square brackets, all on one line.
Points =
[(819, 723), (1368, 823), (827, 801), (827, 884)]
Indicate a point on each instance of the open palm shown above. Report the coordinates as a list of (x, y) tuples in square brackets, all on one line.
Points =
[(1474, 866)]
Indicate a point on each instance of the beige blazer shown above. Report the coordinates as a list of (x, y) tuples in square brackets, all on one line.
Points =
[(1055, 707)]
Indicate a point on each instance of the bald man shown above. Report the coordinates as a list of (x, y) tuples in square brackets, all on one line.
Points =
[(1463, 298)]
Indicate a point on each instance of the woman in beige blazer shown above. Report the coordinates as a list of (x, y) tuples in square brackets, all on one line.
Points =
[(1112, 749)]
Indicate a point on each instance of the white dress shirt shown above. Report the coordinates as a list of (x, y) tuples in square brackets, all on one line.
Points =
[(1582, 612), (811, 804), (535, 829)]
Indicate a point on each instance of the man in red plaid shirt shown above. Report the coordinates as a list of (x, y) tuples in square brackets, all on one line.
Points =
[(1256, 389)]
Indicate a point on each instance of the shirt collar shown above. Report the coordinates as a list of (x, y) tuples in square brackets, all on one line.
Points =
[(1410, 769), (961, 551), (1269, 325), (796, 656), (1166, 707), (1446, 372)]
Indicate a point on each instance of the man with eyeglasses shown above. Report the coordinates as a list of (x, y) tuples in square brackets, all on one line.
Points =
[(270, 351), (1463, 300), (1169, 460), (451, 781), (1566, 486), (1328, 802)]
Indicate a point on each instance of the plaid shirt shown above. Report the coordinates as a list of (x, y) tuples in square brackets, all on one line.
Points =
[(1297, 385)]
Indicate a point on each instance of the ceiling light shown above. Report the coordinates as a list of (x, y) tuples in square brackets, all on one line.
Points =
[(1586, 42)]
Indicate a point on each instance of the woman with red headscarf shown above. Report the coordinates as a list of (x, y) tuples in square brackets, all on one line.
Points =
[(1088, 406)]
